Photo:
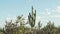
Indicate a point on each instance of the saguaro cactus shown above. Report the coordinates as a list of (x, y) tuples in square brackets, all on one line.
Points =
[(39, 25), (32, 17)]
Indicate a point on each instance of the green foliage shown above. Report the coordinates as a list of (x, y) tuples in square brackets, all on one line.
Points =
[(10, 28), (20, 20), (13, 28), (50, 28)]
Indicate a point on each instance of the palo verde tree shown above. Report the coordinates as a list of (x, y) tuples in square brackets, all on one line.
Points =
[(20, 21), (32, 17), (49, 28)]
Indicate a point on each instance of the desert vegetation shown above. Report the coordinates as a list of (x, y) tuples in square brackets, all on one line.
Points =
[(18, 27)]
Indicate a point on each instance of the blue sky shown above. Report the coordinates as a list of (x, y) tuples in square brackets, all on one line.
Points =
[(47, 10)]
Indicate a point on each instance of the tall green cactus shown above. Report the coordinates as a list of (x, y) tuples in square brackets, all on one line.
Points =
[(32, 17)]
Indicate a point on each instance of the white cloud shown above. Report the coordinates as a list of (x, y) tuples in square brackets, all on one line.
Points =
[(51, 16), (13, 18), (57, 9), (48, 12), (55, 16), (8, 19)]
